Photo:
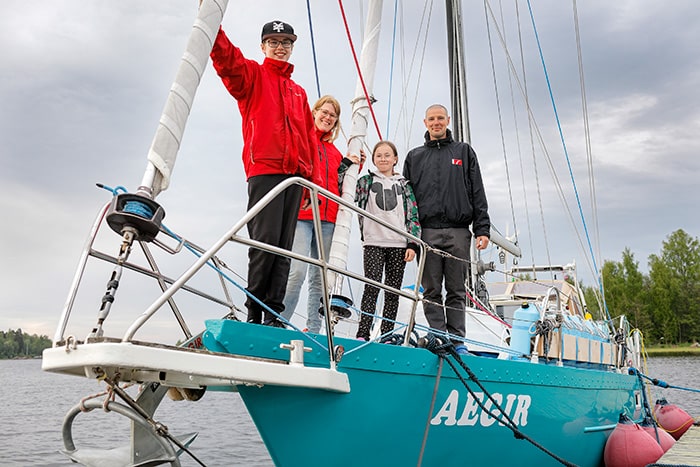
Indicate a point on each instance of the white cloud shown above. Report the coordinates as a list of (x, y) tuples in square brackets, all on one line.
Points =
[(83, 85)]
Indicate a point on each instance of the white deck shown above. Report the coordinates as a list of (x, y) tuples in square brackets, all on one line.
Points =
[(173, 366)]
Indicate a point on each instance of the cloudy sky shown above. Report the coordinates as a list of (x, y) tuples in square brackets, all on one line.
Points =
[(83, 85)]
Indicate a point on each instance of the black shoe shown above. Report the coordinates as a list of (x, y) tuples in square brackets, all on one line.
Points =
[(275, 323)]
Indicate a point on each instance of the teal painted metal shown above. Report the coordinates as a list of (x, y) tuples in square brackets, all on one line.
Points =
[(390, 410)]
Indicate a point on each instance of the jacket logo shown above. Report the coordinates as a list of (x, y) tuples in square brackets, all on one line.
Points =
[(456, 161)]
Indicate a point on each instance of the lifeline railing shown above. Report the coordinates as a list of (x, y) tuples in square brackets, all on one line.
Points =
[(169, 286)]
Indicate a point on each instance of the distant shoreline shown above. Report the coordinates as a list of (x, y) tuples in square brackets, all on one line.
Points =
[(653, 351), (673, 351), (24, 357)]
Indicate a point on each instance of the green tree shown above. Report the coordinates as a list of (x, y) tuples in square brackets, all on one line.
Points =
[(19, 338), (675, 287), (17, 344), (626, 291)]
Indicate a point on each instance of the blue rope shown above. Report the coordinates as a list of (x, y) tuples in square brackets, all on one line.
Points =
[(339, 302), (313, 48), (566, 154), (115, 191), (645, 399), (443, 334), (132, 207), (138, 208), (237, 285), (664, 384)]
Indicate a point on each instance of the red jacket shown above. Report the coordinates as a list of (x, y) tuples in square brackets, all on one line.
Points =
[(327, 161), (278, 128)]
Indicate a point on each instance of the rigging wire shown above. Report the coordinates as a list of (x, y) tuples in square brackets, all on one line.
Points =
[(407, 117), (589, 156), (533, 125), (532, 148), (422, 59), (566, 152), (556, 117), (313, 49), (517, 141), (222, 274), (359, 71), (500, 116), (587, 131), (391, 67), (545, 152), (407, 122)]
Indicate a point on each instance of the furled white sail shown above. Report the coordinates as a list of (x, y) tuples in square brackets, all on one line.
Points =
[(360, 116), (166, 142)]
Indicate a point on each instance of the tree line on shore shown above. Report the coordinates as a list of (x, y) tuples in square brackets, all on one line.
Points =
[(664, 303), (17, 344)]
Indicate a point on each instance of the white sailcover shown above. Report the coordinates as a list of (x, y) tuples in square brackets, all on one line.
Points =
[(360, 116), (171, 126)]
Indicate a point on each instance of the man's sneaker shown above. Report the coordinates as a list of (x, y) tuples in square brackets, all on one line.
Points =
[(275, 323), (461, 349)]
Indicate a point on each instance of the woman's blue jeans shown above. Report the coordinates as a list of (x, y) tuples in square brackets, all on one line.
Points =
[(306, 243)]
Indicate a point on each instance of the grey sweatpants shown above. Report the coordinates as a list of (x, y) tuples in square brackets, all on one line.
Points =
[(448, 314)]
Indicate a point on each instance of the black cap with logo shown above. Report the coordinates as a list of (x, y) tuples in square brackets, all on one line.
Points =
[(277, 28)]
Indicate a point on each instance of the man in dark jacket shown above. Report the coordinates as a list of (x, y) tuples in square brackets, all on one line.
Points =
[(278, 143), (450, 194)]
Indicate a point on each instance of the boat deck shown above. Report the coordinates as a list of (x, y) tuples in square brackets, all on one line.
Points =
[(182, 367), (686, 451)]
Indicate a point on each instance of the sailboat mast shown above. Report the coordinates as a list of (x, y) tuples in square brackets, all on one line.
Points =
[(458, 91), (458, 74), (171, 126), (360, 119), (460, 111)]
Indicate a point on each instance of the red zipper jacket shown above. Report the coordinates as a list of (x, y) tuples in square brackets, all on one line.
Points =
[(328, 162), (278, 128)]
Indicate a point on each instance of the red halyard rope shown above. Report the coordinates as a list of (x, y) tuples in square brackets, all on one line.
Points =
[(359, 72)]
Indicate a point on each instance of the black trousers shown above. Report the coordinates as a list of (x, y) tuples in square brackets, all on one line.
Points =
[(274, 225), (446, 315), (378, 260)]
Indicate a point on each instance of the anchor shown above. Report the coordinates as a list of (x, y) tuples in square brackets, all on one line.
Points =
[(151, 443)]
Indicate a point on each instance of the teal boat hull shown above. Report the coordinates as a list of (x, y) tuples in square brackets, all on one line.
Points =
[(405, 408)]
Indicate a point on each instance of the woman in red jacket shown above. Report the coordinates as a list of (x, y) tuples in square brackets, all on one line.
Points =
[(332, 166)]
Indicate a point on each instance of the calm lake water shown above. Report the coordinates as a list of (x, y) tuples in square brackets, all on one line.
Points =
[(34, 404)]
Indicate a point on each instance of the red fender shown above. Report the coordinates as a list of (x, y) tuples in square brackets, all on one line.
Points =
[(666, 441), (672, 418), (630, 446)]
